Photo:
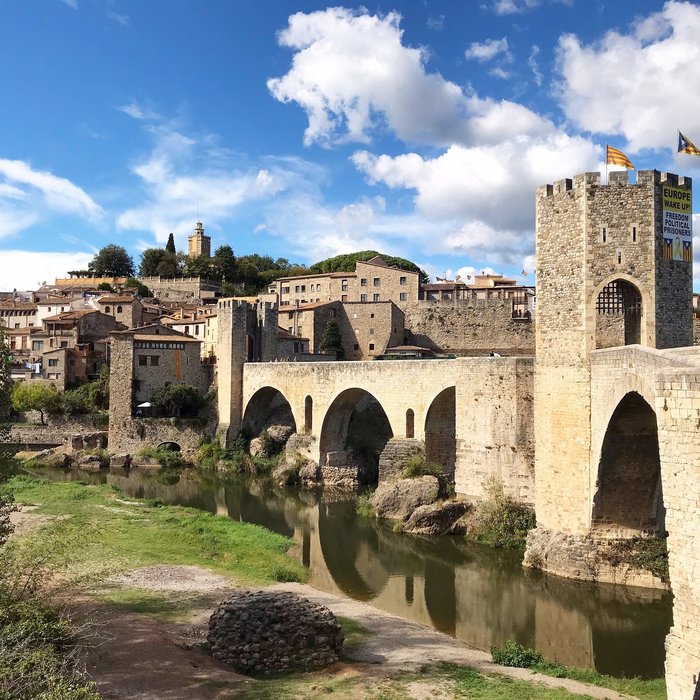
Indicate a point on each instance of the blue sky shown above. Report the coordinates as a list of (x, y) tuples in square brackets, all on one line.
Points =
[(303, 130)]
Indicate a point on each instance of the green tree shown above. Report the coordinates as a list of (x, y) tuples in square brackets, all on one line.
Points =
[(7, 462), (170, 245), (198, 267), (226, 268), (346, 263), (104, 287), (141, 289), (181, 400), (112, 261), (168, 267), (150, 259), (332, 341), (33, 396)]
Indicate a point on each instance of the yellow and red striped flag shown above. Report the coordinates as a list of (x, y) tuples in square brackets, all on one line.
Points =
[(615, 157), (685, 145)]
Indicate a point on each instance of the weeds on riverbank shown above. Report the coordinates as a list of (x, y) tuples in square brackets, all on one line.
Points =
[(516, 655), (167, 458), (502, 522), (644, 553), (364, 506), (211, 456)]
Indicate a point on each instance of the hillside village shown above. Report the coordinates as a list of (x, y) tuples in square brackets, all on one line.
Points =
[(60, 332)]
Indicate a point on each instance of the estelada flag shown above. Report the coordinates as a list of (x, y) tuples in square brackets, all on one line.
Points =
[(687, 146), (615, 157)]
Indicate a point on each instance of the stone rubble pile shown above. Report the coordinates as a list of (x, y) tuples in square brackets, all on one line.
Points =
[(265, 632)]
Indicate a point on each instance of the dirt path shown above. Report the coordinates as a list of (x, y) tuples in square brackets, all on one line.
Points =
[(151, 660)]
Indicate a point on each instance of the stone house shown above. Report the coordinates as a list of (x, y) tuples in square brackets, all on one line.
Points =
[(290, 346), (67, 366), (18, 314), (200, 322), (78, 328), (126, 309), (372, 281), (366, 328)]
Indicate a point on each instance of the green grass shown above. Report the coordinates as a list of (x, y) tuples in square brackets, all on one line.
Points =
[(168, 607), (133, 533), (653, 689), (354, 632)]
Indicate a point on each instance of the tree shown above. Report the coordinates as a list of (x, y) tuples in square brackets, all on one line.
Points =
[(104, 287), (141, 289), (150, 259), (7, 462), (225, 266), (112, 261), (33, 396), (332, 341), (170, 245), (346, 263), (177, 400)]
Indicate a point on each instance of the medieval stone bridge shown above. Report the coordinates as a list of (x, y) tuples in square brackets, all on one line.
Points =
[(472, 416)]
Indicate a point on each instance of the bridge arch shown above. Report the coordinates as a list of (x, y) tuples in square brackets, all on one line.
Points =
[(619, 306), (629, 496), (355, 430), (267, 406), (441, 431)]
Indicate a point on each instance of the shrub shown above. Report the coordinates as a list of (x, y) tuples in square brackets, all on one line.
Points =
[(177, 400), (514, 654), (418, 466), (502, 522), (167, 458), (364, 506), (645, 553)]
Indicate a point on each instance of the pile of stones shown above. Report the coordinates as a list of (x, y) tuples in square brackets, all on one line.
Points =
[(266, 632)]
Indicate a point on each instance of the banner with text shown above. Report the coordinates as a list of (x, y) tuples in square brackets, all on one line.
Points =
[(678, 223)]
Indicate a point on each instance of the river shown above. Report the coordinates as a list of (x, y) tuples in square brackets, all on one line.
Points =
[(480, 595)]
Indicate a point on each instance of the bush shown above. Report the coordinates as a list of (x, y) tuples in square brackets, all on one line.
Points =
[(417, 466), (168, 459), (177, 400), (501, 522), (364, 506), (644, 553), (514, 654)]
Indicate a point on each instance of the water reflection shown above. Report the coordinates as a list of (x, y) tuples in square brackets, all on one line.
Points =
[(477, 594)]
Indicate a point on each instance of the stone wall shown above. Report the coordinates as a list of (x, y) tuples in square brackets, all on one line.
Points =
[(180, 288), (469, 326)]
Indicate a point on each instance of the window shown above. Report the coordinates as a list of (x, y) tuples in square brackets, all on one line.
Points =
[(403, 296), (375, 297), (371, 331), (296, 289), (196, 330), (71, 363), (371, 346), (119, 309), (344, 286), (355, 347), (343, 298), (16, 325), (376, 282), (633, 234), (154, 360), (285, 290), (303, 287), (363, 297), (371, 315), (402, 280), (296, 348), (290, 329), (106, 309), (53, 362), (143, 360), (187, 330), (37, 344), (64, 343), (603, 234), (363, 282), (291, 314)]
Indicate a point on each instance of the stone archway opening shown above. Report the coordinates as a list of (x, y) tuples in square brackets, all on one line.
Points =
[(440, 432), (170, 446), (618, 315), (269, 410), (308, 415), (629, 496), (354, 433), (410, 423)]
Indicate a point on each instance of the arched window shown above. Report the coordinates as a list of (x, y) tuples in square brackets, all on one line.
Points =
[(106, 309), (187, 330), (119, 309), (308, 414), (410, 423)]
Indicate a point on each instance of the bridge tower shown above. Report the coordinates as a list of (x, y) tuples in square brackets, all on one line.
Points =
[(606, 276)]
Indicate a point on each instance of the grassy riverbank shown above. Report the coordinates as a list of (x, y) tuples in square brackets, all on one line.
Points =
[(129, 533), (99, 530)]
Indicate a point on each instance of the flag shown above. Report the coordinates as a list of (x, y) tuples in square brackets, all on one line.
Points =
[(687, 146), (615, 157)]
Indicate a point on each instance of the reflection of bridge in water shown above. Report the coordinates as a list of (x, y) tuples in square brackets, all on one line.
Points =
[(479, 595)]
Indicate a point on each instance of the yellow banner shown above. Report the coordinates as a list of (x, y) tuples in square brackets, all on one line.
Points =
[(677, 223)]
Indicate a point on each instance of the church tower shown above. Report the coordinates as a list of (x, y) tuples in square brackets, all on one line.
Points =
[(199, 244)]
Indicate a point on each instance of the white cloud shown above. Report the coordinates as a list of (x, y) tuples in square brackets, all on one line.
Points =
[(512, 7), (119, 18), (641, 84), (351, 73), (186, 177), (436, 22), (499, 73), (23, 269), (534, 66), (71, 3), (488, 50)]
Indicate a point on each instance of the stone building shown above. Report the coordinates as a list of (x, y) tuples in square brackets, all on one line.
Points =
[(200, 322), (18, 314), (126, 309), (372, 281), (199, 244), (78, 328), (67, 366)]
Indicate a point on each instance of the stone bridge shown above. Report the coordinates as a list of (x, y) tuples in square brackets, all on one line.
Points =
[(471, 416)]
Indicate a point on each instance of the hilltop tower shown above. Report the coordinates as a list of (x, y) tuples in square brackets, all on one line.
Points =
[(614, 267), (199, 244)]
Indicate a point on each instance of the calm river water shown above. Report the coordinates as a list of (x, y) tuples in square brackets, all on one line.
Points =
[(474, 593)]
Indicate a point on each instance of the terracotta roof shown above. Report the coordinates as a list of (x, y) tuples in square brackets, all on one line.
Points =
[(123, 299), (166, 338), (144, 330), (283, 334), (68, 316), (13, 304)]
